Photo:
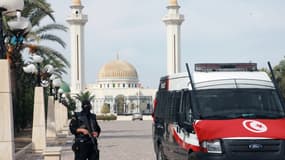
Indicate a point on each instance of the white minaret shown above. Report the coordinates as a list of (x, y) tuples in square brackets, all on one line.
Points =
[(173, 21), (77, 21)]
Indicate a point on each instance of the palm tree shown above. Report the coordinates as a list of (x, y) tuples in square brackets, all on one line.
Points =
[(35, 11), (279, 71), (82, 96)]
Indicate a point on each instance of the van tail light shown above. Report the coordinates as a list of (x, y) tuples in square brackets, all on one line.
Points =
[(167, 84)]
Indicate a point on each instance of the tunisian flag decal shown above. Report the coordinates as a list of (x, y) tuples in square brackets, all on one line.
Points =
[(240, 128), (254, 126)]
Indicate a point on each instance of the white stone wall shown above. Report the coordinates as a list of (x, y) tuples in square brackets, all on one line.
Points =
[(106, 95)]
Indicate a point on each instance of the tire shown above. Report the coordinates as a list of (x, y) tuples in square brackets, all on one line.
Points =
[(191, 157), (160, 154)]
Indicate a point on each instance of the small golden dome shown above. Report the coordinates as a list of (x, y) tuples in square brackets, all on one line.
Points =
[(118, 69), (76, 2), (173, 2)]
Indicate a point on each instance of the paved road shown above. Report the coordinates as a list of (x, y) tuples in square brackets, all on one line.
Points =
[(124, 140)]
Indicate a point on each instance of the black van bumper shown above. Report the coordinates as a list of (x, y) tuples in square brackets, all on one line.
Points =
[(249, 156)]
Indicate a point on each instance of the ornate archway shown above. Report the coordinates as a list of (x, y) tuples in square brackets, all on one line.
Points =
[(120, 107)]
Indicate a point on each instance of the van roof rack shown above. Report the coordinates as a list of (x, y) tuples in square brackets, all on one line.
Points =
[(224, 67)]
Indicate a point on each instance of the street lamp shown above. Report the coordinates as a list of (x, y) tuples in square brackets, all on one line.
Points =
[(56, 84), (60, 92), (42, 75), (19, 27), (9, 8), (51, 79), (64, 100)]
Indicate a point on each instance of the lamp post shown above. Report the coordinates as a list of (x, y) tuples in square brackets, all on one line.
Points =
[(60, 92), (19, 27), (9, 8), (31, 68), (43, 75), (63, 110), (56, 84), (7, 149), (39, 125), (2, 47), (51, 128), (51, 79), (51, 116)]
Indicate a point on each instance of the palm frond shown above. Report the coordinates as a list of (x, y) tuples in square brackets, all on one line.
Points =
[(52, 53), (82, 96), (53, 38), (36, 16), (49, 27), (35, 6)]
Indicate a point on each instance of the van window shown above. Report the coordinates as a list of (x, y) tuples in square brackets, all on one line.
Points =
[(239, 103), (161, 101), (172, 106), (167, 105), (186, 106)]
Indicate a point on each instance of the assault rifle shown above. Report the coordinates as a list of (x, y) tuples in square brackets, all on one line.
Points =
[(93, 139)]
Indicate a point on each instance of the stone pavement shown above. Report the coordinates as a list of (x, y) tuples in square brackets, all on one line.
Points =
[(119, 140), (122, 140)]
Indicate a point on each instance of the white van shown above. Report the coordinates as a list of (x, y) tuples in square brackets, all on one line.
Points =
[(229, 112)]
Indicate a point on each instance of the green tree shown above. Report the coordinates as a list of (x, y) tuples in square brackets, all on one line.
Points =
[(82, 96), (279, 72), (70, 103)]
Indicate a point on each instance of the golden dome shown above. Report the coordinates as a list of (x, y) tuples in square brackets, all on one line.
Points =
[(118, 69), (76, 2), (173, 2)]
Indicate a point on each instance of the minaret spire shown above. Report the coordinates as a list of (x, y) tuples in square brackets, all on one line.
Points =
[(173, 21), (173, 2), (77, 21), (76, 2), (118, 55)]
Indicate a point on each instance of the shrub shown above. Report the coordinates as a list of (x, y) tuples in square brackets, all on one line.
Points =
[(106, 117), (106, 108)]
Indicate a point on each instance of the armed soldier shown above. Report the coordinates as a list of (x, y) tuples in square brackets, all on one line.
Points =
[(86, 130)]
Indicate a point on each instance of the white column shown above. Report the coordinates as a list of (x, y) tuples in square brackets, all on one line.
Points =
[(77, 21), (51, 132), (7, 148), (39, 127), (173, 21), (63, 115), (57, 116)]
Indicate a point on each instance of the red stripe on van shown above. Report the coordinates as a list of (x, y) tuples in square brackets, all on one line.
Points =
[(183, 144), (238, 128)]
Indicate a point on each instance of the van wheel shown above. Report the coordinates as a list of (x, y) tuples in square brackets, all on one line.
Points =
[(191, 157), (160, 154)]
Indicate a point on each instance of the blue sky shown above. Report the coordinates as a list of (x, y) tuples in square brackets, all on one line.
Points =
[(213, 31)]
